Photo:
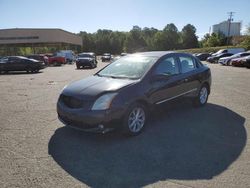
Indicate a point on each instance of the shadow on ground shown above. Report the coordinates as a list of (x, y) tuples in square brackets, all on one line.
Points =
[(19, 73), (180, 142)]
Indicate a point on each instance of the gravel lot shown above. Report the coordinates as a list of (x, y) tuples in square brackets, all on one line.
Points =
[(181, 147)]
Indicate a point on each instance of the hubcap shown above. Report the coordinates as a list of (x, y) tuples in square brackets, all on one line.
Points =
[(203, 95), (136, 119)]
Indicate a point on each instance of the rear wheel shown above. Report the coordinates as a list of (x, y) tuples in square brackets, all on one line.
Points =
[(202, 97), (134, 120), (29, 69)]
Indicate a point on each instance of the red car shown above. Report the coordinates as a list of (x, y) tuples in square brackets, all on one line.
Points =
[(239, 62), (56, 60)]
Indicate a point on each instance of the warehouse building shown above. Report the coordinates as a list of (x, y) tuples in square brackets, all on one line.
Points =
[(24, 37)]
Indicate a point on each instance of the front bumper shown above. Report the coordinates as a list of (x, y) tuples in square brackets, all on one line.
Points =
[(89, 120), (222, 62), (84, 63)]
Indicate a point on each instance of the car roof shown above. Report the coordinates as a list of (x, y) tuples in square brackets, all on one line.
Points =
[(154, 53), (21, 57)]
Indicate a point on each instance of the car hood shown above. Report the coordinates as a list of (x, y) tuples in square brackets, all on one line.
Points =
[(224, 58), (85, 58), (93, 86)]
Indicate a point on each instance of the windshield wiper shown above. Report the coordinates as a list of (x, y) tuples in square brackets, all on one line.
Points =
[(116, 77), (97, 74)]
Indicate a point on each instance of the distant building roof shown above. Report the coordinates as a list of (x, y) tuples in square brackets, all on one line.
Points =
[(38, 35)]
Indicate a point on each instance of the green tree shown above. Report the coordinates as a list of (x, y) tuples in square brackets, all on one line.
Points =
[(171, 37), (134, 40), (189, 39), (213, 40), (148, 35)]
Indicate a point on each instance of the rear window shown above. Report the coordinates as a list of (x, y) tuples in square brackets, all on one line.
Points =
[(187, 64)]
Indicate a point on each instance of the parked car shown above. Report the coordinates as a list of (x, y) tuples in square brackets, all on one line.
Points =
[(69, 55), (229, 50), (237, 62), (227, 60), (214, 59), (55, 60), (246, 62), (121, 94), (124, 54), (106, 57), (86, 60), (115, 58), (203, 56), (20, 63), (39, 57)]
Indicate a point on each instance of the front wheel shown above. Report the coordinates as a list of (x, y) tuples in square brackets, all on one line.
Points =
[(202, 97), (134, 120)]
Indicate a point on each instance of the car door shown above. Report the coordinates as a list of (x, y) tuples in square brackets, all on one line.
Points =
[(165, 82), (4, 64), (190, 73), (14, 64)]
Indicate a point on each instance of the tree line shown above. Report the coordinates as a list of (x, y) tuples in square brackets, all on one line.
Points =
[(138, 39), (150, 39)]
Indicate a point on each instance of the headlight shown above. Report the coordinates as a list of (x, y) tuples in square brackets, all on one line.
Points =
[(64, 87), (104, 101)]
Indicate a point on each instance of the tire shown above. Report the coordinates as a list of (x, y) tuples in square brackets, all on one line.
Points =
[(202, 97), (134, 120), (29, 69)]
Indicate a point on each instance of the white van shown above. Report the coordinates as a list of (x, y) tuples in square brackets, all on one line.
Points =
[(229, 50)]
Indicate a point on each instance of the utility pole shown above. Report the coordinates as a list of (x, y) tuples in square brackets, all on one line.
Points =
[(230, 19)]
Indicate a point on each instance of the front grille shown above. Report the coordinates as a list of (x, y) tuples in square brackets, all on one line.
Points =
[(74, 123), (71, 102)]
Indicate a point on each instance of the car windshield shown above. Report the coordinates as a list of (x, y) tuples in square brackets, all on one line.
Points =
[(106, 54), (131, 67), (85, 55)]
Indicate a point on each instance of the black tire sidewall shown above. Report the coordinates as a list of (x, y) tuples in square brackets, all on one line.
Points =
[(125, 128), (197, 102)]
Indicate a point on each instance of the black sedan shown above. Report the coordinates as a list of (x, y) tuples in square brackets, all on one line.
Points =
[(106, 57), (246, 62), (122, 94), (203, 56), (19, 63), (214, 59), (86, 60)]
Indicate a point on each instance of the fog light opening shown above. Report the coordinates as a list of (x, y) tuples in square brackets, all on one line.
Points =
[(101, 126)]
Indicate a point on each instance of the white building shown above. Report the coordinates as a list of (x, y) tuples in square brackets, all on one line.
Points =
[(224, 26)]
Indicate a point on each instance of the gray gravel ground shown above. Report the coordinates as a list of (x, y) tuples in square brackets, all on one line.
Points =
[(182, 146)]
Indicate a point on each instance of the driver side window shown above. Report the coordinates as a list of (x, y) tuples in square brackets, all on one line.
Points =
[(167, 67)]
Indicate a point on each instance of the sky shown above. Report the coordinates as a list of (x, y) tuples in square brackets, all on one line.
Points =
[(91, 15)]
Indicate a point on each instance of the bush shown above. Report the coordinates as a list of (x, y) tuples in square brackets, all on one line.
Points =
[(246, 43)]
